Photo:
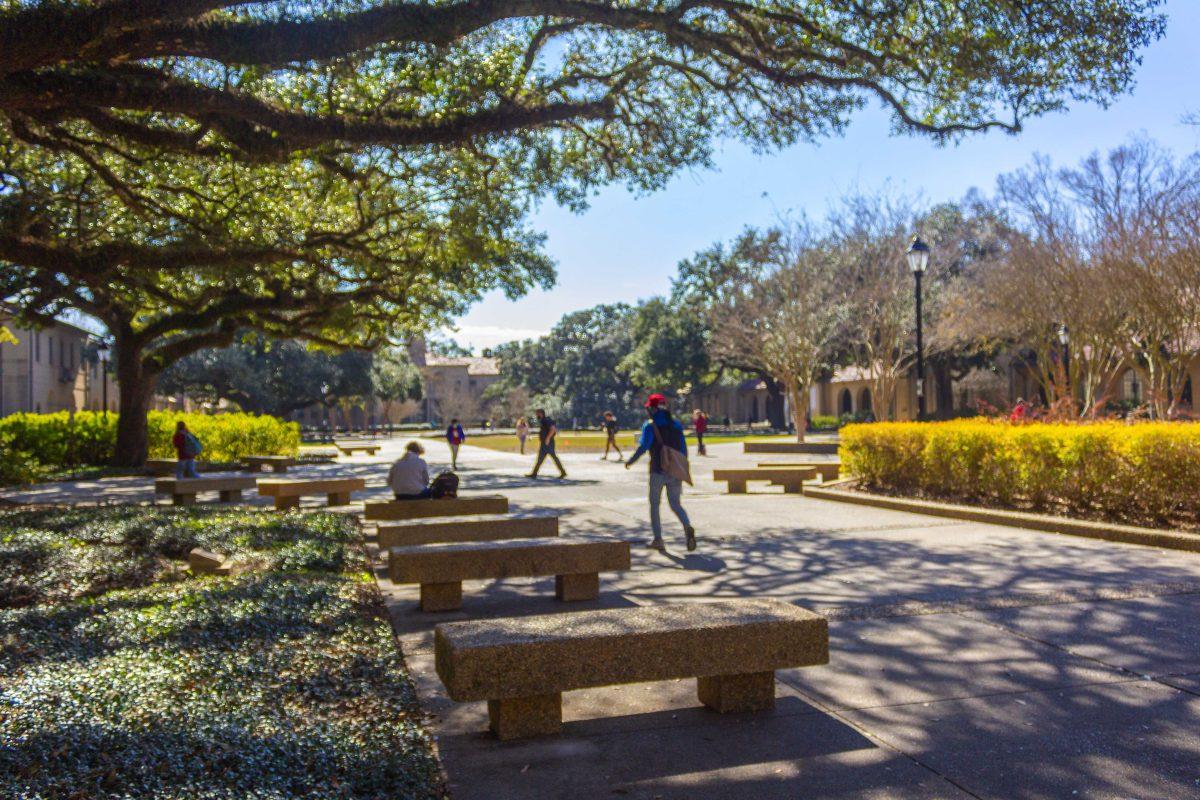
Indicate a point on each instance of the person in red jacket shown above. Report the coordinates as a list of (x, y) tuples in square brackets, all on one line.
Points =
[(700, 426), (187, 447)]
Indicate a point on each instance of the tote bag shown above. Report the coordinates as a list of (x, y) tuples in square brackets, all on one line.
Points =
[(674, 463)]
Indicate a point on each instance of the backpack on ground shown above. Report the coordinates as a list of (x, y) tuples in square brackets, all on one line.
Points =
[(191, 445), (444, 485)]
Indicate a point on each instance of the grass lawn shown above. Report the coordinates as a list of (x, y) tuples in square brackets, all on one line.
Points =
[(593, 441), (124, 679)]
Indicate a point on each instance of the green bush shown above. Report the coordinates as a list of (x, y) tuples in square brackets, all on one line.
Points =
[(281, 681), (1147, 472), (34, 444), (824, 422)]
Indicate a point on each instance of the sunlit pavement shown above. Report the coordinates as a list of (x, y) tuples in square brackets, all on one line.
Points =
[(968, 660)]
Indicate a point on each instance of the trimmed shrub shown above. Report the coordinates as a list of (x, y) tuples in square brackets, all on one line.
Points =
[(33, 444), (1146, 472)]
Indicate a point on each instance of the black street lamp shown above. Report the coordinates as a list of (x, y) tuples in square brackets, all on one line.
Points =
[(1064, 338), (102, 354), (918, 262)]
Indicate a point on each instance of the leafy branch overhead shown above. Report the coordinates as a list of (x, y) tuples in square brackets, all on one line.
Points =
[(260, 80)]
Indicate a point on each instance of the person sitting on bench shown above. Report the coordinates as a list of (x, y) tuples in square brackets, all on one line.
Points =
[(409, 476)]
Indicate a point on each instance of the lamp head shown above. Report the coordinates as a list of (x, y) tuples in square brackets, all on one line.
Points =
[(918, 255)]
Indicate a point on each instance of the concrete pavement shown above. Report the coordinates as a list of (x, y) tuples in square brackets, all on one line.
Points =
[(968, 660)]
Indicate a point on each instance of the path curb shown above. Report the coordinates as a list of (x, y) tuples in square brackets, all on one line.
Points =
[(1127, 534)]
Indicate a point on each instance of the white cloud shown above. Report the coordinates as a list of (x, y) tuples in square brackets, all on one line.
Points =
[(480, 336)]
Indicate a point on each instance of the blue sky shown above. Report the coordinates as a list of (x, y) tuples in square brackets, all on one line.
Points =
[(626, 247)]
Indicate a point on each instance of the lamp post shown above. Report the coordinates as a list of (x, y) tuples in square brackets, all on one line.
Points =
[(102, 354), (1064, 339), (918, 262)]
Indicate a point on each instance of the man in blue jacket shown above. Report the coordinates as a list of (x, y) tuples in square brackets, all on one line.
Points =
[(669, 434)]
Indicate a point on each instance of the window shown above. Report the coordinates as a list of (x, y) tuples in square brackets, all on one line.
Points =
[(37, 347), (846, 405), (1131, 387), (50, 348)]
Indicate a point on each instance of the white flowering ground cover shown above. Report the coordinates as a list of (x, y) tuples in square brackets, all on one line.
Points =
[(119, 679)]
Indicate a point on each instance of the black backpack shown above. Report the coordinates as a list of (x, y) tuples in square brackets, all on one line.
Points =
[(444, 485)]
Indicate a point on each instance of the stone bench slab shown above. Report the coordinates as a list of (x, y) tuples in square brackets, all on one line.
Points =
[(522, 665), (790, 447), (442, 507), (407, 534), (827, 470), (183, 491), (440, 569), (276, 463), (287, 493), (791, 478)]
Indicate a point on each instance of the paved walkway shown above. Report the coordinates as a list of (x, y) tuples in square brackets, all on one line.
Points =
[(968, 660)]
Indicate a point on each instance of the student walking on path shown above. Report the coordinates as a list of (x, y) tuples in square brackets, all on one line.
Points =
[(409, 476), (455, 436), (663, 431), (610, 428), (522, 433), (700, 426), (547, 431), (187, 447)]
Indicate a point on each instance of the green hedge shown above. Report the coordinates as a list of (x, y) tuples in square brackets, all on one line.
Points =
[(1147, 472), (34, 443)]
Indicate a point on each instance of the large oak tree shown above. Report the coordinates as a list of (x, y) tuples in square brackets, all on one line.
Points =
[(342, 170)]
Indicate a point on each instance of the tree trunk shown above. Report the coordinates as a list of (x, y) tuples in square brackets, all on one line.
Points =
[(799, 408), (775, 414), (136, 387), (943, 388)]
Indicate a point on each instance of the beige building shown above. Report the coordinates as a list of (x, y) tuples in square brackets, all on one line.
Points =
[(46, 371), (453, 385)]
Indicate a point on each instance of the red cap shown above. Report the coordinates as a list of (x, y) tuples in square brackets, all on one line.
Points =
[(655, 400)]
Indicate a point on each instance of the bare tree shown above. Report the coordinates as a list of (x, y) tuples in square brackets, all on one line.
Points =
[(868, 238), (786, 318)]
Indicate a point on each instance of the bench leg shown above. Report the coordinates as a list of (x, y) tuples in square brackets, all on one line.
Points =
[(279, 467), (793, 487), (284, 503), (441, 596), (737, 487), (568, 588), (727, 694), (519, 717), (339, 499), (183, 499), (231, 495)]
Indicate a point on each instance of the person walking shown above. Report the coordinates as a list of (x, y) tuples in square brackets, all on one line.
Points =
[(700, 426), (547, 432), (187, 447), (522, 433), (660, 431), (455, 436), (610, 428), (409, 476)]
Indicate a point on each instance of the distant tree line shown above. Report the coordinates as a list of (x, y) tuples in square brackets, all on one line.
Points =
[(1107, 251)]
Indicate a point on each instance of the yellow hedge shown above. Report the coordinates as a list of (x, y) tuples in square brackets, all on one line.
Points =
[(1147, 471), (60, 439)]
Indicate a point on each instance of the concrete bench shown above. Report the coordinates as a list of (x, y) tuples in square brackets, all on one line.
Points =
[(276, 463), (522, 665), (827, 470), (440, 569), (790, 447), (183, 491), (287, 493), (442, 507), (351, 449), (408, 534), (790, 478)]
